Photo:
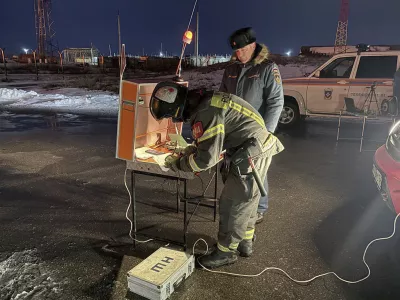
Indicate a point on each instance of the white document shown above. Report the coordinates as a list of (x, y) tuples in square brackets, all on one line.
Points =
[(159, 159)]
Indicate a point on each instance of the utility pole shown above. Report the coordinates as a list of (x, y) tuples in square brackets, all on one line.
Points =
[(342, 28), (91, 53), (196, 45), (4, 61), (119, 36)]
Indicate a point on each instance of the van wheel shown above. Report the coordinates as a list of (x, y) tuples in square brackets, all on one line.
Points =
[(290, 115), (385, 107)]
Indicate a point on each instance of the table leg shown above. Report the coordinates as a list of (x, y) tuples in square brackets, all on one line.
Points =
[(133, 205), (185, 207), (338, 128), (362, 133)]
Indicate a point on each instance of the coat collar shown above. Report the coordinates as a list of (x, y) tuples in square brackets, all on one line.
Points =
[(261, 53)]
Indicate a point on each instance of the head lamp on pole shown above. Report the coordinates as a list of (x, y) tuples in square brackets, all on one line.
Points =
[(187, 39)]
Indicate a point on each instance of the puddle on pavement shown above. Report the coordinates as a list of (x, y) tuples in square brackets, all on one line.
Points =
[(11, 122)]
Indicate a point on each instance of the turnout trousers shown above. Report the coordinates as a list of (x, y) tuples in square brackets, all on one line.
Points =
[(239, 202)]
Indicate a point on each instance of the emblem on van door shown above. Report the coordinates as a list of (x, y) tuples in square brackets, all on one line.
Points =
[(328, 94)]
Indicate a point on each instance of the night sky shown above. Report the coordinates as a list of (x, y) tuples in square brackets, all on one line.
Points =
[(281, 24)]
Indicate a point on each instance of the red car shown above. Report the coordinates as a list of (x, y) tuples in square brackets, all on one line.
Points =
[(386, 169)]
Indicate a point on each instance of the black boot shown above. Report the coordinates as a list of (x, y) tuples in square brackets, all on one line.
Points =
[(245, 248), (260, 218), (218, 259)]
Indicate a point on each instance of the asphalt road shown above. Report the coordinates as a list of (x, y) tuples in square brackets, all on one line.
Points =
[(62, 193)]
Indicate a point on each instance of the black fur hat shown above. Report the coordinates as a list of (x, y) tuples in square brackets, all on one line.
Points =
[(242, 37)]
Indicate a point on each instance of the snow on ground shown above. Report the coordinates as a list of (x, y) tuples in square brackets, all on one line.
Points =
[(71, 100), (23, 276), (64, 100), (213, 79)]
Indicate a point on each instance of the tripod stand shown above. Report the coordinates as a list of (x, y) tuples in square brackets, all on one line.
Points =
[(371, 97)]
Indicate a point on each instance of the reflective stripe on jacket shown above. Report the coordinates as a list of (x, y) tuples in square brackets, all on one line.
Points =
[(224, 122)]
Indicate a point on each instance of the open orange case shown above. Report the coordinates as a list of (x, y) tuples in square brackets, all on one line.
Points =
[(136, 126)]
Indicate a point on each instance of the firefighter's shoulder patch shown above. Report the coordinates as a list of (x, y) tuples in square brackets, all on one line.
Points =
[(277, 75), (197, 130)]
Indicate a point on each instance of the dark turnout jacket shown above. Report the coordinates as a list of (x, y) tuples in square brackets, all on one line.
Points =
[(259, 83), (225, 122)]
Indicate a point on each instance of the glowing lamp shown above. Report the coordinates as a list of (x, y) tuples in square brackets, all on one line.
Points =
[(187, 37)]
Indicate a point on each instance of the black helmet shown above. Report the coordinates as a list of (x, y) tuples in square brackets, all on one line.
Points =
[(242, 37), (168, 101)]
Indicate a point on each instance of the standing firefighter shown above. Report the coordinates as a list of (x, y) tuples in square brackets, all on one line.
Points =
[(255, 78), (222, 121)]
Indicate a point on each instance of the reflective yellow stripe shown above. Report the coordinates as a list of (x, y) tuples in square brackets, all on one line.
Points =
[(223, 249), (235, 106), (233, 246), (249, 234), (250, 114), (211, 132), (193, 164), (271, 140), (223, 101), (247, 112), (218, 101)]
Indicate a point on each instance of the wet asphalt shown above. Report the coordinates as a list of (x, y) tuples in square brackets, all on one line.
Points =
[(62, 192)]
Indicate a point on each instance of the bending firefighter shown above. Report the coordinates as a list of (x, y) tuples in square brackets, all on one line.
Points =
[(222, 121)]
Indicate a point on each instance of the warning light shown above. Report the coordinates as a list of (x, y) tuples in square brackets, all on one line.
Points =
[(187, 37)]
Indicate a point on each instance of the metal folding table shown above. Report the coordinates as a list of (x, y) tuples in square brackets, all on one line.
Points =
[(378, 119), (152, 169)]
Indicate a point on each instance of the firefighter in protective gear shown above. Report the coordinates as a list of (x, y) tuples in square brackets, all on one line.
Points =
[(219, 122)]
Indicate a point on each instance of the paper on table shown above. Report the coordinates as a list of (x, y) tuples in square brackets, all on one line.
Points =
[(159, 159), (141, 153)]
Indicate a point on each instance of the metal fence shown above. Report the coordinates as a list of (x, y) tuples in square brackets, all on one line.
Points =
[(207, 60)]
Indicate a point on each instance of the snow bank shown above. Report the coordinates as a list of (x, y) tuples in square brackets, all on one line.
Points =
[(23, 276), (16, 94), (104, 103), (213, 80), (66, 100), (293, 70), (210, 80)]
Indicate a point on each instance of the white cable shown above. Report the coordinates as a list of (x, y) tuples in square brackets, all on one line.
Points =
[(302, 281), (127, 210), (190, 21), (268, 268)]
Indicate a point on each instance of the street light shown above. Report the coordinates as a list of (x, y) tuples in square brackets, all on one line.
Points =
[(187, 39), (4, 61), (25, 50), (34, 58), (61, 63)]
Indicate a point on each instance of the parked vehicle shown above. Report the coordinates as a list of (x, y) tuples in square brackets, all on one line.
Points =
[(348, 75), (386, 169)]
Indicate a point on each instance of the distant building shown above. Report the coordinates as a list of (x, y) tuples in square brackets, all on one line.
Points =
[(330, 50), (81, 56)]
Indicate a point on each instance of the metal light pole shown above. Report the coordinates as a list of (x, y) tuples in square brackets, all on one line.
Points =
[(4, 61), (36, 67), (61, 63)]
